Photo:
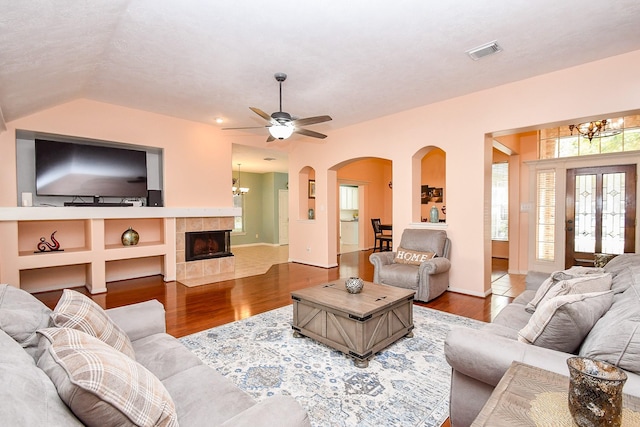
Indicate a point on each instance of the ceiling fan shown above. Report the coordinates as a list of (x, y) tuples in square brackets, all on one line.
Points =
[(282, 125)]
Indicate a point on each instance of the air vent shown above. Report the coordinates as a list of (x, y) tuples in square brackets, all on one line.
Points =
[(484, 50)]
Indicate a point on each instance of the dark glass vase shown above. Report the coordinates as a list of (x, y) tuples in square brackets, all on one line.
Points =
[(595, 392)]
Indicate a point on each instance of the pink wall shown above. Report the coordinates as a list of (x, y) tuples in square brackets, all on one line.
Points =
[(196, 158), (459, 126)]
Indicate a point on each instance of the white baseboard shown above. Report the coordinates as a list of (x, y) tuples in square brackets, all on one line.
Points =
[(467, 292), (312, 264)]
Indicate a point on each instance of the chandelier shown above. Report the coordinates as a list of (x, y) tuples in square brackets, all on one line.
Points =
[(237, 190), (596, 128)]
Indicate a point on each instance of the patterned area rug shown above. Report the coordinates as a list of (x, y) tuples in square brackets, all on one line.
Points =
[(407, 384)]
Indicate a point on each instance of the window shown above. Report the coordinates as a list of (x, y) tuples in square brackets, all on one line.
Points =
[(559, 142), (546, 215), (238, 221), (500, 201)]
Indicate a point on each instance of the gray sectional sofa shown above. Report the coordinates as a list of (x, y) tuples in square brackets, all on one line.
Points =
[(199, 396), (479, 358)]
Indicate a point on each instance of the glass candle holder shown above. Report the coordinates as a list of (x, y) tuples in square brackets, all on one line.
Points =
[(595, 392)]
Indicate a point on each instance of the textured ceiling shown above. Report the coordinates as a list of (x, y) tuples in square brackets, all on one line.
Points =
[(354, 60)]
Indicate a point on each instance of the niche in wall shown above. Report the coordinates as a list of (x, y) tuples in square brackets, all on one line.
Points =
[(307, 193), (26, 169), (433, 179)]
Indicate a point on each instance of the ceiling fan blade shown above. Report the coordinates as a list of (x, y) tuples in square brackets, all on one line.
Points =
[(247, 127), (270, 138), (307, 132), (311, 120), (262, 114)]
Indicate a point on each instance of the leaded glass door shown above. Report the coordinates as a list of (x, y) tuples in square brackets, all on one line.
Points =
[(601, 210)]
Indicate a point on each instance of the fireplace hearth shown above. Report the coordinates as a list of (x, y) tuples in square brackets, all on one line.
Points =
[(201, 245)]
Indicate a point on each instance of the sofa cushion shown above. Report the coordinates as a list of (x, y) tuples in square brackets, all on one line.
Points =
[(408, 256), (565, 283), (21, 315), (400, 275), (29, 397), (163, 355), (102, 386), (77, 311), (562, 322), (616, 337), (619, 267), (191, 387), (424, 240)]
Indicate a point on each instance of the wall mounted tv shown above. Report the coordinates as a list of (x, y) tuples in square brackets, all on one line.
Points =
[(77, 170)]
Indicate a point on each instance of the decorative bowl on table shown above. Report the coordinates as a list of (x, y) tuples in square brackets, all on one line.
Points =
[(354, 285)]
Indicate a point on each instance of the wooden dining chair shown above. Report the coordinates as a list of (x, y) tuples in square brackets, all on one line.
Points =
[(380, 237)]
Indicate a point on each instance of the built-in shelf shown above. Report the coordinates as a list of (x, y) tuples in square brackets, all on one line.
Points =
[(91, 239)]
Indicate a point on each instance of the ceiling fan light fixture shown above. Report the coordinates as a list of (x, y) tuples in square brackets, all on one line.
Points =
[(281, 131)]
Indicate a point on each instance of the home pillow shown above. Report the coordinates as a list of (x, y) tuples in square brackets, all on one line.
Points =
[(408, 256), (76, 311), (102, 386), (562, 322), (581, 284), (21, 315)]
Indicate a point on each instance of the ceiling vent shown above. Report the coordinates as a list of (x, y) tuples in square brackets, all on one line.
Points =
[(484, 50)]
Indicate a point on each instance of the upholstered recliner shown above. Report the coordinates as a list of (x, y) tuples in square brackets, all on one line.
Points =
[(429, 279)]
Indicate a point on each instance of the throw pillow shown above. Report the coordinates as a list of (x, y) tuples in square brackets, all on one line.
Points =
[(77, 311), (562, 322), (600, 260), (580, 284), (21, 315), (408, 256), (616, 337), (102, 386)]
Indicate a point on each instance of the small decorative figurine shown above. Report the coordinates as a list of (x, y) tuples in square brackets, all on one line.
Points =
[(45, 246), (354, 285), (130, 237)]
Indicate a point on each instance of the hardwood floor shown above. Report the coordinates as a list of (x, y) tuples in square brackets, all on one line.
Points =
[(194, 309)]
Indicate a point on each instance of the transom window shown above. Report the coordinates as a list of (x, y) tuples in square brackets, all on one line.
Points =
[(559, 142)]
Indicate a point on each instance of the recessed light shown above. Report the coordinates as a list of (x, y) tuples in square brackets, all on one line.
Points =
[(219, 120), (484, 50)]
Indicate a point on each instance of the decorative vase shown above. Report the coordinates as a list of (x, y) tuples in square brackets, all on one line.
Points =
[(130, 237), (433, 214), (595, 392), (354, 285)]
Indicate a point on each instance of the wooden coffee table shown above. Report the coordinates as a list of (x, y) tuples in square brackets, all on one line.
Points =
[(359, 325)]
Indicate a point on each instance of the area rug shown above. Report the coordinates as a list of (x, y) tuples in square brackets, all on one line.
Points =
[(407, 384)]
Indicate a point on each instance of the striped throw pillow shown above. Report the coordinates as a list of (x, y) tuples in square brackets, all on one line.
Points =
[(102, 386), (76, 311)]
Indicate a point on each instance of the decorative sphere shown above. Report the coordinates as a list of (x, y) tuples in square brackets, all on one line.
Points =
[(130, 237), (354, 285)]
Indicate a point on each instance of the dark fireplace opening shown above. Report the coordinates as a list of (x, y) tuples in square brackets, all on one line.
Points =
[(207, 244)]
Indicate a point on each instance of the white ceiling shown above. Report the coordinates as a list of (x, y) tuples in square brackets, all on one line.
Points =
[(353, 60)]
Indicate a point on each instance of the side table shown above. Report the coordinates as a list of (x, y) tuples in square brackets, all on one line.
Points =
[(531, 396)]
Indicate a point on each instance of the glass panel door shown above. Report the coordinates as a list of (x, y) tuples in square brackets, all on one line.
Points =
[(600, 212)]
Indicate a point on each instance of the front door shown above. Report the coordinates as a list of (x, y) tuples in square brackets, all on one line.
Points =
[(601, 212)]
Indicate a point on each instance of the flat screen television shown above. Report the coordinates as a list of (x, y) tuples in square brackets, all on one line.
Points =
[(76, 170)]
